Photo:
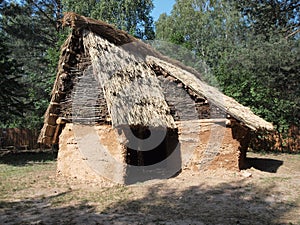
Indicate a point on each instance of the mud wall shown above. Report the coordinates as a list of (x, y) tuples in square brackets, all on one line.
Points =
[(214, 145), (204, 145), (72, 163)]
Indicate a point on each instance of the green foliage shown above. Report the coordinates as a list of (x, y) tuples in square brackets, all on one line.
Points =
[(33, 37), (31, 30), (263, 75), (132, 16), (207, 28), (268, 17), (250, 49), (53, 52), (12, 91)]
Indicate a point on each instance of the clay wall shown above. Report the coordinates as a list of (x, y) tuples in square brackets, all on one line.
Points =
[(204, 145)]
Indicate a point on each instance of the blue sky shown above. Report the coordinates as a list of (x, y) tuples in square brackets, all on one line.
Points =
[(162, 6)]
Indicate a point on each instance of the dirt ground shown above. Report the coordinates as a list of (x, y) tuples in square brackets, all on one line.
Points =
[(266, 193)]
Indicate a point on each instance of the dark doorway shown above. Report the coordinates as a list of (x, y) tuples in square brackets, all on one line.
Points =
[(143, 153), (151, 153)]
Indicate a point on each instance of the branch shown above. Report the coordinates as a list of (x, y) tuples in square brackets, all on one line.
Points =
[(45, 14), (292, 34)]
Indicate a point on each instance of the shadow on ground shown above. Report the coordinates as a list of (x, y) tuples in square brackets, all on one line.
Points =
[(24, 157), (227, 203), (265, 165)]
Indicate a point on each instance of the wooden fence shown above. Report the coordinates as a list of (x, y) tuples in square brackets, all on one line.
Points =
[(17, 139)]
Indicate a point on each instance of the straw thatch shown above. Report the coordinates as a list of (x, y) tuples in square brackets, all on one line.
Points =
[(227, 104), (108, 32), (124, 69), (132, 91)]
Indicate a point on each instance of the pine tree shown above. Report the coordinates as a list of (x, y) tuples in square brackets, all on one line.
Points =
[(13, 94)]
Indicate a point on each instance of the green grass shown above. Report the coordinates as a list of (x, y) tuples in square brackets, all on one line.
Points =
[(33, 176), (30, 174), (22, 171), (16, 178)]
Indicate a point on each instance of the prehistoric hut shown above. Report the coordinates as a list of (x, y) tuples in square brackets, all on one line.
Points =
[(122, 111)]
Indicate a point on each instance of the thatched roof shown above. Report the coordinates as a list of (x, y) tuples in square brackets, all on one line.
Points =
[(227, 104), (123, 66)]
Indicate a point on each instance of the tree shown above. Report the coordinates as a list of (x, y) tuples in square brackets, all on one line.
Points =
[(265, 17), (205, 27), (31, 30), (252, 49), (132, 16), (12, 91), (34, 36), (263, 76)]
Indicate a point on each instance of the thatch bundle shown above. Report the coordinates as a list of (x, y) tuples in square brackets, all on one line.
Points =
[(213, 95), (131, 88)]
